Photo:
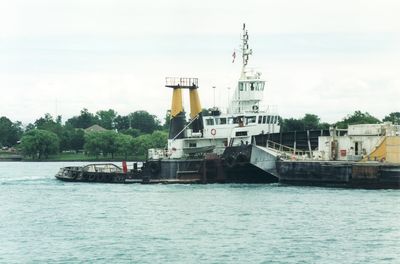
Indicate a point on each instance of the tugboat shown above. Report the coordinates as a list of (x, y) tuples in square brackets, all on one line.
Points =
[(200, 150), (195, 150)]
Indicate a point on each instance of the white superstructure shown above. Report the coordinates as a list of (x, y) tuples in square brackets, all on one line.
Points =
[(244, 119)]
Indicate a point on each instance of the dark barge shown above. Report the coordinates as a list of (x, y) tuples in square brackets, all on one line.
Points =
[(371, 175)]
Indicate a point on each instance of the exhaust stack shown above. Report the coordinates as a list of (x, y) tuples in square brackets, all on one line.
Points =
[(195, 110), (178, 116)]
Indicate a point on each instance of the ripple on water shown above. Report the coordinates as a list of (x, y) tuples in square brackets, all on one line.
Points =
[(48, 221)]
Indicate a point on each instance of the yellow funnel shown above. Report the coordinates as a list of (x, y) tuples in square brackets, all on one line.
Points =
[(195, 107), (177, 105)]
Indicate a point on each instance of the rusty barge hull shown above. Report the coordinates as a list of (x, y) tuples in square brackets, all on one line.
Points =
[(339, 174)]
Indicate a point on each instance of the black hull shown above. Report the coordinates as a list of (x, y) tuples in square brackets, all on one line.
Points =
[(248, 173), (92, 177), (340, 174), (239, 168)]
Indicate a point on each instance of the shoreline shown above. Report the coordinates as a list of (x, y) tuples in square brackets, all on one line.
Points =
[(22, 160)]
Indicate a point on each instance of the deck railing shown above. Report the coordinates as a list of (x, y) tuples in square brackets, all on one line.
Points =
[(287, 152)]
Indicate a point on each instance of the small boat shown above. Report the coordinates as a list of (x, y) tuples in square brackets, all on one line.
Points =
[(105, 172), (202, 149)]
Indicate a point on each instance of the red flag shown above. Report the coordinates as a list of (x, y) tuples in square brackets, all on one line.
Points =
[(234, 56)]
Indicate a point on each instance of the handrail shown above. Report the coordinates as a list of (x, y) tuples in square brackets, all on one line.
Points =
[(285, 149)]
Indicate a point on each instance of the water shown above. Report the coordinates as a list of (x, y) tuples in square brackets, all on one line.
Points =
[(43, 220)]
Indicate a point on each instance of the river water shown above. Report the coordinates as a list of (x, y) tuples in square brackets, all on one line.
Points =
[(43, 220)]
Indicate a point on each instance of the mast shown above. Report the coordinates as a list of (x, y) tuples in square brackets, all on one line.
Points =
[(249, 92), (246, 51)]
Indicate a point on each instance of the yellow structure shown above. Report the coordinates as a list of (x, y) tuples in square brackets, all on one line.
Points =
[(177, 104), (195, 107), (393, 149), (387, 151)]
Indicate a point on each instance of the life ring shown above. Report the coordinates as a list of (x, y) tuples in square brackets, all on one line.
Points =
[(213, 132)]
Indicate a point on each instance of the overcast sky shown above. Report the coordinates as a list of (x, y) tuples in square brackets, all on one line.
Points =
[(328, 58)]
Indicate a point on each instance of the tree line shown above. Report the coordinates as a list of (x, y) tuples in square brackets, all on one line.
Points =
[(127, 135), (311, 121), (124, 135)]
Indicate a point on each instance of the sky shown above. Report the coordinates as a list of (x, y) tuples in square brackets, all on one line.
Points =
[(328, 58)]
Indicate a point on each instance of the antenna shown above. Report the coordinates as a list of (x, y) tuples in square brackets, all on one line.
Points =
[(246, 51), (214, 95)]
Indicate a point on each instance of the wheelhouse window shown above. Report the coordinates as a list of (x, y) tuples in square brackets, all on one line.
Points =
[(222, 121), (250, 119), (260, 119), (252, 86), (209, 121), (244, 86), (233, 120)]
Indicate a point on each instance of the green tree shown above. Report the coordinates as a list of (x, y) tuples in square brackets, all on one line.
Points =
[(77, 139), (101, 142), (393, 117), (106, 118), (84, 120), (167, 120), (54, 125), (158, 139), (292, 124), (39, 143), (109, 141), (93, 145), (30, 126), (141, 144), (122, 122), (310, 121), (357, 118), (143, 121), (133, 132), (324, 125), (48, 123), (10, 132), (124, 145)]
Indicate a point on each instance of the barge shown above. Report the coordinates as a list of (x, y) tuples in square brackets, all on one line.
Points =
[(364, 155)]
